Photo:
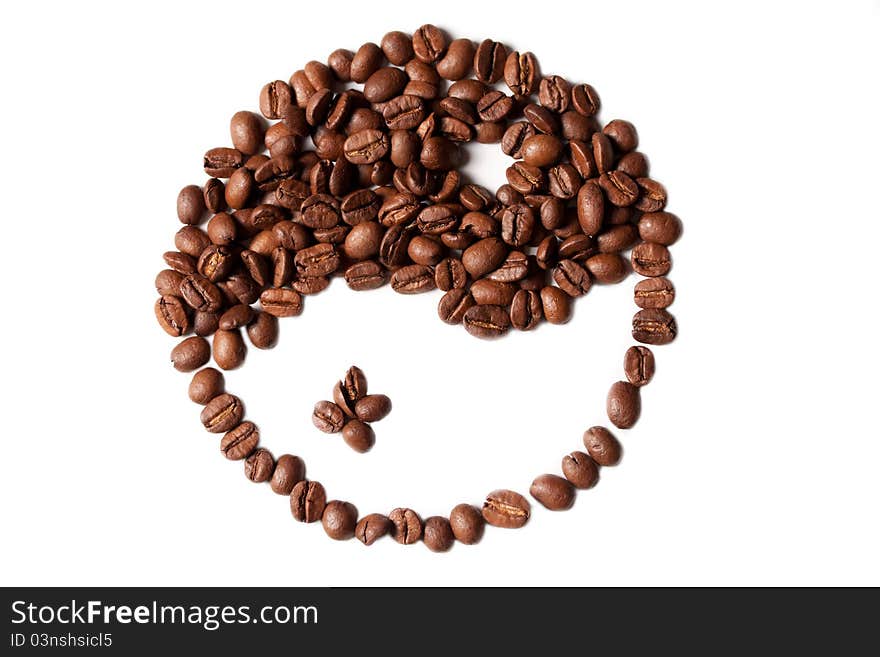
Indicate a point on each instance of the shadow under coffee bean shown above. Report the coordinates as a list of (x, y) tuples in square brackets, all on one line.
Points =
[(376, 168)]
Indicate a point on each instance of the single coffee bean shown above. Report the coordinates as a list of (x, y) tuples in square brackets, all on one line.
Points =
[(328, 417), (458, 61), (307, 501), (168, 282), (617, 238), (263, 330), (359, 206), (384, 84), (201, 294), (372, 527), (222, 162), (413, 279), (581, 156), (397, 47), (206, 384), (172, 315), (216, 263), (190, 354), (654, 293), (660, 227), (515, 137), (281, 302), (320, 211), (429, 43), (607, 267), (581, 470), (514, 268), (236, 317), (365, 62), (363, 240), (554, 93), (246, 130), (484, 256), (542, 118), (651, 259), (489, 60), (623, 405), (366, 146), (467, 524), (440, 154), (222, 413), (563, 181), (289, 471), (318, 260), (622, 134), (238, 443), (486, 321), (507, 509), (603, 152), (205, 324), (572, 278), (525, 178), (541, 150), (302, 87), (521, 73), (406, 526), (619, 188), (372, 408), (547, 253), (578, 247), (229, 349), (367, 275), (603, 447), (438, 534), (652, 195), (191, 205), (344, 398), (556, 305), (654, 326), (517, 224), (339, 62), (275, 98), (454, 305), (489, 132), (553, 492), (526, 310), (638, 365), (633, 164), (258, 467), (339, 520), (404, 112), (191, 241), (450, 274), (494, 106), (585, 100)]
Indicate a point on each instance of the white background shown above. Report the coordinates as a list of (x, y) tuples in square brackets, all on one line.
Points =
[(756, 458)]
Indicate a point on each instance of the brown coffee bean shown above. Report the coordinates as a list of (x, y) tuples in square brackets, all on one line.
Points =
[(275, 97), (238, 443), (355, 383), (638, 365), (363, 240), (458, 61), (307, 501), (585, 100), (581, 156), (320, 211), (438, 536), (654, 326), (263, 330), (634, 164), (553, 492), (515, 137), (619, 188), (578, 247), (617, 238), (367, 275), (429, 43), (190, 354), (281, 302), (191, 205), (556, 305), (603, 152), (384, 84), (607, 268), (201, 294), (372, 527), (246, 130), (489, 61), (517, 224), (572, 278), (392, 250), (222, 162), (206, 384), (622, 134), (397, 47), (302, 87), (494, 106), (654, 293), (546, 255), (505, 508), (413, 279), (467, 524), (404, 112), (205, 324), (258, 467), (525, 178), (318, 260), (581, 470), (172, 315), (603, 447), (289, 471), (359, 206), (339, 62), (229, 349), (493, 293), (514, 268), (623, 405), (168, 282), (660, 227), (450, 274), (366, 146), (526, 310), (486, 321), (652, 195), (542, 118), (651, 259), (222, 413), (372, 408), (554, 93), (328, 417), (339, 520), (406, 526), (454, 304)]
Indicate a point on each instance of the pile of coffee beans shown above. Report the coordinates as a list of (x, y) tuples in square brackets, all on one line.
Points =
[(351, 170), (352, 412)]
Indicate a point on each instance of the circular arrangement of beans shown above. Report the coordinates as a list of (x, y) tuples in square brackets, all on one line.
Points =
[(330, 180)]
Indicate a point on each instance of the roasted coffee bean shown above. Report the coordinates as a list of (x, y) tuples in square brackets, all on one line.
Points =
[(418, 70), (585, 100), (399, 209), (366, 146), (205, 324), (607, 268), (168, 282), (397, 47), (542, 119), (525, 178), (521, 73), (455, 130), (486, 321), (467, 524), (328, 417), (307, 501), (302, 87), (318, 260), (575, 127), (572, 278), (190, 241), (365, 62), (238, 443), (660, 227), (367, 275), (246, 130), (191, 205), (372, 527), (526, 310), (384, 84), (552, 213), (429, 43), (505, 508), (438, 536), (638, 365), (480, 225), (339, 62), (229, 349), (406, 526), (221, 162), (344, 398), (333, 235), (275, 97), (440, 154), (581, 470), (258, 467), (363, 240), (652, 196), (404, 112), (358, 435), (316, 112), (494, 106), (216, 263), (282, 266), (617, 238), (547, 253), (310, 284), (623, 405), (355, 383), (622, 134), (201, 294), (515, 137), (281, 302), (492, 293), (206, 384), (581, 156), (392, 249), (222, 413), (450, 274), (289, 471), (339, 520), (320, 211), (458, 61), (654, 293), (426, 251), (461, 110), (240, 288), (489, 132), (222, 229), (654, 326), (563, 181), (619, 188), (554, 93), (603, 447), (190, 354), (514, 268), (437, 219), (489, 60), (651, 259), (454, 304), (517, 224), (420, 89), (578, 247), (372, 408), (413, 279), (556, 305), (291, 193), (553, 492), (633, 164), (359, 206)]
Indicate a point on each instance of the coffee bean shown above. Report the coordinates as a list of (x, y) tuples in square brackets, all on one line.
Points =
[(172, 316), (238, 443), (651, 259), (546, 255), (320, 211), (607, 268), (493, 293), (429, 43), (474, 197), (654, 293), (246, 130), (372, 527), (201, 294), (205, 324), (515, 137), (222, 162), (652, 196), (367, 275), (345, 399), (222, 413), (542, 119), (638, 365), (517, 224), (507, 509), (619, 188), (623, 405), (190, 354), (363, 240), (603, 152), (372, 408), (581, 156), (581, 470), (603, 447), (406, 526), (654, 326), (318, 260), (289, 471), (413, 279), (366, 146), (514, 268), (660, 227), (578, 247), (458, 61), (494, 106), (168, 282), (328, 417), (229, 349), (397, 47), (339, 520), (553, 492), (258, 467), (263, 330), (454, 305), (634, 164), (302, 87), (525, 178), (486, 321), (556, 305), (617, 238), (355, 383), (467, 524), (307, 501), (359, 206), (404, 112), (554, 93), (191, 205), (450, 274), (393, 248), (526, 310), (622, 134), (489, 61), (275, 97), (438, 536), (572, 278), (281, 302), (585, 100), (206, 384), (521, 73), (489, 132)]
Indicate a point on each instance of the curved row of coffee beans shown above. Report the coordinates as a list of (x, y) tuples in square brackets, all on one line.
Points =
[(353, 411)]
